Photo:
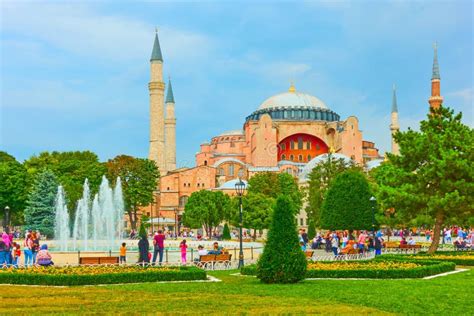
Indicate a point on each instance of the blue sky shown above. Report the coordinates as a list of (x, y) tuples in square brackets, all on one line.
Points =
[(74, 74)]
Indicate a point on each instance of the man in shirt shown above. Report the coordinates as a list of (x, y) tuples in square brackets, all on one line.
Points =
[(361, 240), (158, 246)]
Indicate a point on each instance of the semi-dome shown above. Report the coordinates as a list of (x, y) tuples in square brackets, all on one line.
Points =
[(293, 99)]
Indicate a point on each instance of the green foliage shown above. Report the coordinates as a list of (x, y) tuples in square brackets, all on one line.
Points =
[(226, 232), (311, 229), (13, 187), (142, 231), (273, 184), (434, 173), (462, 258), (71, 169), (149, 274), (257, 211), (320, 179), (208, 209), (139, 181), (347, 203), (39, 213), (282, 260)]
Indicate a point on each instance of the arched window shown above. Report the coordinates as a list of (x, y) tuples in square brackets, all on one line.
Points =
[(205, 162), (283, 146), (308, 145), (292, 144), (309, 157), (283, 157), (300, 158), (300, 143), (231, 170), (292, 157), (220, 172)]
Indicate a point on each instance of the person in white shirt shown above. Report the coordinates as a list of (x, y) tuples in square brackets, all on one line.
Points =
[(411, 241)]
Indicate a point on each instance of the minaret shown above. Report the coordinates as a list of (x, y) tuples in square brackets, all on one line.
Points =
[(394, 127), (156, 88), (170, 129), (436, 99)]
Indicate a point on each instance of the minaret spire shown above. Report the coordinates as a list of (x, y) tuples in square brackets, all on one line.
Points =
[(156, 52), (169, 92), (170, 129), (394, 100), (435, 99), (394, 126)]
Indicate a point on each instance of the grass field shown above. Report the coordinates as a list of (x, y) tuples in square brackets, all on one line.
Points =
[(449, 295)]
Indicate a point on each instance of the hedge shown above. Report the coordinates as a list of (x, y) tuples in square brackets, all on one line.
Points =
[(462, 258), (427, 268), (147, 275)]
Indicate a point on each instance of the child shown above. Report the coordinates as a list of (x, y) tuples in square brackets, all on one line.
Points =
[(43, 258), (183, 247), (123, 253), (16, 253)]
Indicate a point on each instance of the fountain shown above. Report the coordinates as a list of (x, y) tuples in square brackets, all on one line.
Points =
[(99, 221)]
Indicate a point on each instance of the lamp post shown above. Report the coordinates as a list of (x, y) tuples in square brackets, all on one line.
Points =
[(6, 219), (176, 222), (372, 200), (239, 189)]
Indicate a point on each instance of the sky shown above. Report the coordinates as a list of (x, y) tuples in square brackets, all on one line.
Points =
[(74, 74)]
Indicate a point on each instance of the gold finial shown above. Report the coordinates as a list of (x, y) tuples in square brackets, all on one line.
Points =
[(292, 87), (332, 150)]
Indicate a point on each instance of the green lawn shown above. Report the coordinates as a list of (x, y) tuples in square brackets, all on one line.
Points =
[(450, 295)]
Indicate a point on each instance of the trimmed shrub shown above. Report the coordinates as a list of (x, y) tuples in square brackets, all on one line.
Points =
[(347, 203), (226, 232), (282, 260), (145, 274), (462, 258)]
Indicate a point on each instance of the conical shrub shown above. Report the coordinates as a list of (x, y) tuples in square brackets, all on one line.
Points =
[(282, 260)]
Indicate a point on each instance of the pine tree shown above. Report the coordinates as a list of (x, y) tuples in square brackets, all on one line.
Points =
[(226, 232), (282, 260), (39, 214)]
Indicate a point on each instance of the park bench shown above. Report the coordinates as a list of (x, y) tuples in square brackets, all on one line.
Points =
[(211, 261), (309, 254), (98, 260), (406, 248)]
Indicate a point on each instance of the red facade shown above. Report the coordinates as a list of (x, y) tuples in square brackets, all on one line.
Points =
[(301, 148)]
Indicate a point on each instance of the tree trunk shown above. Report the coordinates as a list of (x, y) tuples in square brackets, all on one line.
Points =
[(254, 234), (133, 223), (437, 232)]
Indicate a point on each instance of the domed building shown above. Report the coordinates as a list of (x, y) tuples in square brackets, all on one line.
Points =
[(288, 132)]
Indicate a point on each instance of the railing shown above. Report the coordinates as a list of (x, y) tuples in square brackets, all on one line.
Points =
[(346, 257)]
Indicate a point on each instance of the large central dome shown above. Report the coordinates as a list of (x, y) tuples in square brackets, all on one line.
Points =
[(293, 99)]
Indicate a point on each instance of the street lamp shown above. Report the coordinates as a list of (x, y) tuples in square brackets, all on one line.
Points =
[(372, 200), (6, 220), (239, 189)]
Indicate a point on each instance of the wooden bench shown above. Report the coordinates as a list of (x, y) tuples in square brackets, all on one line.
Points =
[(98, 260), (409, 247), (309, 254), (209, 261)]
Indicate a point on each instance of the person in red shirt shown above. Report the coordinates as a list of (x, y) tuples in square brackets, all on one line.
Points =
[(158, 246)]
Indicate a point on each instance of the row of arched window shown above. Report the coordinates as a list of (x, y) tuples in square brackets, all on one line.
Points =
[(292, 158), (302, 114)]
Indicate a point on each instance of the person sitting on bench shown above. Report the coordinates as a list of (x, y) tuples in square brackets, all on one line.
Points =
[(216, 250), (43, 258)]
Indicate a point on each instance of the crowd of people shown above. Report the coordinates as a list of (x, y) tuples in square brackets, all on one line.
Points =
[(34, 254)]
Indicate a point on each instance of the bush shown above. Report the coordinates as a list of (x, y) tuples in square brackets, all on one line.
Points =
[(462, 258), (347, 203), (226, 232), (53, 276), (282, 260)]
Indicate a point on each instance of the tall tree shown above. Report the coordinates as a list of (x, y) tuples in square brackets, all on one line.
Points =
[(13, 187), (139, 181), (273, 184), (206, 209), (347, 203), (434, 173), (282, 260), (39, 214), (71, 168), (320, 179), (257, 211)]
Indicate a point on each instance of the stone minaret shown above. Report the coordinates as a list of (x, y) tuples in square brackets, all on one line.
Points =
[(170, 130), (157, 119), (394, 127), (435, 99)]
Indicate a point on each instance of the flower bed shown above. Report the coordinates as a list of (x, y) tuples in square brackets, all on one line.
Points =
[(462, 258), (373, 269), (90, 275)]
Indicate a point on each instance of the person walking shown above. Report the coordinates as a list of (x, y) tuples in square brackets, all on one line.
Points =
[(158, 246), (334, 244), (183, 248), (143, 246), (35, 245), (8, 246)]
